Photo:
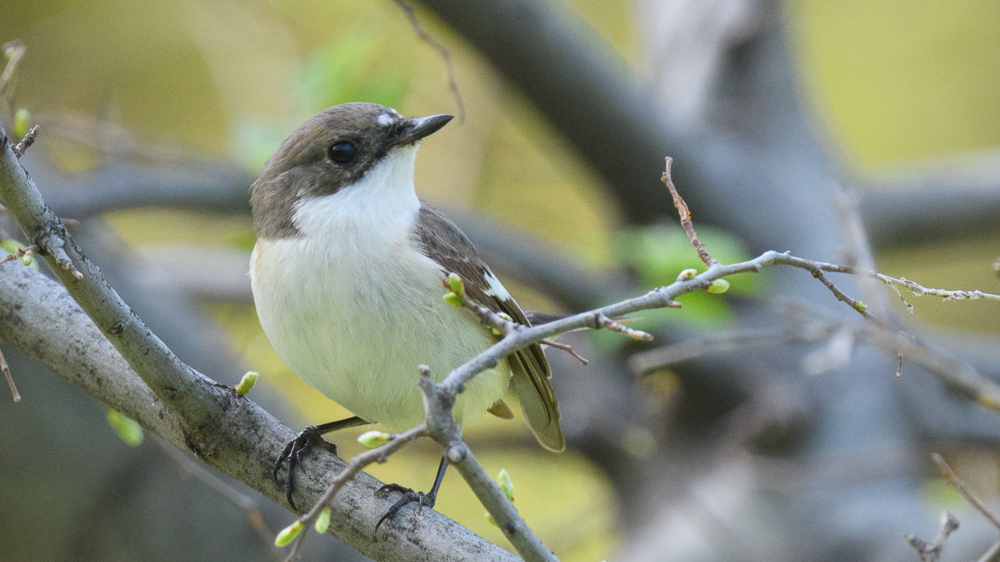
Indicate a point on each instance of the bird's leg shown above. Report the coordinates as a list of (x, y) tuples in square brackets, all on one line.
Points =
[(298, 447), (409, 496)]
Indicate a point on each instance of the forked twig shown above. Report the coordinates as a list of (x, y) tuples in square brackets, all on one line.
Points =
[(685, 214)]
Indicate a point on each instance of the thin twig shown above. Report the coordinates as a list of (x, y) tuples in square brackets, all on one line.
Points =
[(13, 51), (10, 379), (602, 321), (29, 139), (438, 402), (567, 349), (439, 47), (931, 552), (18, 254), (859, 251), (685, 214), (963, 489), (376, 455)]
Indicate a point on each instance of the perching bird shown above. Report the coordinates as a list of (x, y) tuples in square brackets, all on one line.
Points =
[(347, 278)]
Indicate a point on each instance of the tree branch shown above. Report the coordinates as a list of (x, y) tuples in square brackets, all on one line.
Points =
[(169, 398)]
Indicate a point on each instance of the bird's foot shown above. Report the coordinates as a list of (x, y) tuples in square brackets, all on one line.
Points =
[(295, 450), (409, 496)]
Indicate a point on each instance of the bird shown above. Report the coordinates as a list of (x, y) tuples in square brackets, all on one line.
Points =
[(347, 278)]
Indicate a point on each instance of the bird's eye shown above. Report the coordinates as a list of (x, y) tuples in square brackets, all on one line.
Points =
[(342, 152)]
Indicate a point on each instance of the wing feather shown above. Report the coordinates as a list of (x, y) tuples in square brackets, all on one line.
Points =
[(448, 246)]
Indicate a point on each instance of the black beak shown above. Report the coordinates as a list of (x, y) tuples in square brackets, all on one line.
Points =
[(420, 127)]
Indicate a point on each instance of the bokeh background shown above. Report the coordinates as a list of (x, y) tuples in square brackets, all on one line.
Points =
[(900, 95)]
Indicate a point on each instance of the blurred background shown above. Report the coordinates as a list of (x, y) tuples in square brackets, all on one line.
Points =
[(157, 116)]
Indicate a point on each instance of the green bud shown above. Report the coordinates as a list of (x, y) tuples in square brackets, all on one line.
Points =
[(288, 534), (496, 332), (456, 284), (323, 521), (127, 429), (9, 245), (453, 299), (373, 438), (505, 316), (506, 484), (718, 286), (27, 257), (247, 383), (860, 306), (489, 517), (687, 274), (22, 122)]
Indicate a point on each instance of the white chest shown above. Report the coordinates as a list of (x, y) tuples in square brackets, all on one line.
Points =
[(353, 307)]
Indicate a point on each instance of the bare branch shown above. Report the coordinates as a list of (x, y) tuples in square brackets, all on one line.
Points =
[(685, 214), (438, 401), (22, 145), (439, 47), (357, 464), (931, 552), (963, 489), (195, 413), (10, 379)]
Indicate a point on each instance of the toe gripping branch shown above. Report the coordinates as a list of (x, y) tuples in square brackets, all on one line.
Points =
[(409, 496), (297, 448)]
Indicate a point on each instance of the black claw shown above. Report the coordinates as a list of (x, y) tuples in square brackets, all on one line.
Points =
[(295, 451), (409, 496)]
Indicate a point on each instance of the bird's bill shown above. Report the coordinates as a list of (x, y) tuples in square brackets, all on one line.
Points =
[(420, 127)]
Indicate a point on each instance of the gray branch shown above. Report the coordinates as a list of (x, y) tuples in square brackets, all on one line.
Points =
[(144, 380)]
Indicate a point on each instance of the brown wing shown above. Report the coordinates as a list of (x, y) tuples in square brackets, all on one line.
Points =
[(448, 246)]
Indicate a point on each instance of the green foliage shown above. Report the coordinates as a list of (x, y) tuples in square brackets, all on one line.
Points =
[(347, 69), (127, 429), (373, 438), (340, 72), (323, 521), (12, 246), (507, 486), (661, 253), (22, 122), (288, 534), (247, 383)]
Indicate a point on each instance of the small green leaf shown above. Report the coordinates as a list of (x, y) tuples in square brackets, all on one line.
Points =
[(373, 438), (323, 521), (288, 534), (506, 484), (489, 517), (456, 284), (453, 299), (127, 429), (718, 287), (9, 245), (247, 382), (22, 122)]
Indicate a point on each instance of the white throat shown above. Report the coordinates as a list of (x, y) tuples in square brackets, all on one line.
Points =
[(353, 305), (383, 198)]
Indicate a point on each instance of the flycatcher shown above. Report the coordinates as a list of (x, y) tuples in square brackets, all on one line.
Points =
[(347, 278)]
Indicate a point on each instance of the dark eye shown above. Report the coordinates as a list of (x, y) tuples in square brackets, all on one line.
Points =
[(342, 152)]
